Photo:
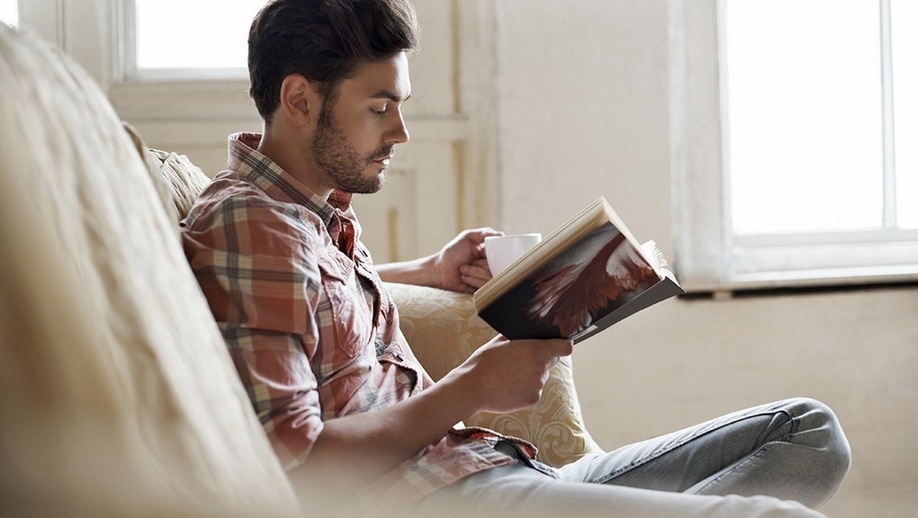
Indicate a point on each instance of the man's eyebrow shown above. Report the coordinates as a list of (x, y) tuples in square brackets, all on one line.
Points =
[(392, 96)]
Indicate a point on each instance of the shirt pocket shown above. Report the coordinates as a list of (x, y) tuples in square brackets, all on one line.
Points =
[(349, 312)]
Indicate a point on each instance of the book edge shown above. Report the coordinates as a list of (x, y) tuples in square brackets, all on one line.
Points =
[(668, 287)]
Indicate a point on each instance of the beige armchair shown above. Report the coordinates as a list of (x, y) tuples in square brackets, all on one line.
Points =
[(117, 396)]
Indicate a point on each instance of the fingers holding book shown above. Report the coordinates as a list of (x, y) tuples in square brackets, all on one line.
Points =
[(506, 375)]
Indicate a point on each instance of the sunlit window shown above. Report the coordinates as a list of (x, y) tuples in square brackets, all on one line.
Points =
[(806, 172), (819, 138), (9, 12), (905, 87), (198, 34)]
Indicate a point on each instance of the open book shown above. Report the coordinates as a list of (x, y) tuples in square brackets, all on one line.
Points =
[(585, 276)]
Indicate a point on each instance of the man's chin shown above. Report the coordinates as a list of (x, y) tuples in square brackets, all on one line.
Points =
[(380, 181), (367, 187)]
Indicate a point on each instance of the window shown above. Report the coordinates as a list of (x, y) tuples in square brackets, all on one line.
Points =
[(9, 12), (808, 116), (812, 105), (163, 38)]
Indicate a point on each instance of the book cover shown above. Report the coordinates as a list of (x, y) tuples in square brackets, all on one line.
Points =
[(584, 277)]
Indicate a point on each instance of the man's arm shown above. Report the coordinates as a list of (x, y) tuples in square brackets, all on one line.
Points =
[(501, 376), (460, 266)]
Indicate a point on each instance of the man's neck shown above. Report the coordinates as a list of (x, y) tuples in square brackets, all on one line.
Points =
[(284, 150)]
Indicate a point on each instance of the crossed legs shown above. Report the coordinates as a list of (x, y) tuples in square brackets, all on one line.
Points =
[(764, 461)]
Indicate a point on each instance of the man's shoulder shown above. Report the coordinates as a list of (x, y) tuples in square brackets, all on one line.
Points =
[(232, 201)]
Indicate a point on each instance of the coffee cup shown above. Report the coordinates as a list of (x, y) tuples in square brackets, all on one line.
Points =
[(504, 250)]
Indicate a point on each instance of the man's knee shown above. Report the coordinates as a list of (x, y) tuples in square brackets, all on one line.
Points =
[(818, 427)]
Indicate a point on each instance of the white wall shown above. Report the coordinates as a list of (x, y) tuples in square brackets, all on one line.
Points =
[(583, 111)]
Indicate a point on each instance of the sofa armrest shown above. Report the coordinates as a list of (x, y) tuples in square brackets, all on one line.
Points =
[(444, 329)]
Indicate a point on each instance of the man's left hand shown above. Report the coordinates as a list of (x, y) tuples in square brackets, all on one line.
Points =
[(462, 264)]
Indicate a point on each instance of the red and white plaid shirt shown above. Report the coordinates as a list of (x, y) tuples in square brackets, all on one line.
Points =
[(311, 329)]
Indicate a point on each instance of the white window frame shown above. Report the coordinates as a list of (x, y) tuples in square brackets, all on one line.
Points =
[(129, 73), (92, 32), (80, 27), (708, 257)]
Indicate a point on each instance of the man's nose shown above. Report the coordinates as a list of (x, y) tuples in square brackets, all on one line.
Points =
[(399, 132)]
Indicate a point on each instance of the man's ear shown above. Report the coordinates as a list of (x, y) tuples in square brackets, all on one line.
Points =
[(299, 100)]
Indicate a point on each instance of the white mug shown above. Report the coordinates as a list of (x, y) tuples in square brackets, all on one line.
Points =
[(503, 250)]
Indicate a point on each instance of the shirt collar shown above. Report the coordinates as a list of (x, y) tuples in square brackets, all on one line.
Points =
[(249, 163)]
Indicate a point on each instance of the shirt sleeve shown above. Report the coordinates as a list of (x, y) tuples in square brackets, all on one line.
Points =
[(256, 264)]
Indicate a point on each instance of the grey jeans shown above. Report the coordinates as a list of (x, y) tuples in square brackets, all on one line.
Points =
[(771, 460)]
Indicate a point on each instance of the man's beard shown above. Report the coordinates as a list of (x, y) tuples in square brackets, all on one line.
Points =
[(339, 162)]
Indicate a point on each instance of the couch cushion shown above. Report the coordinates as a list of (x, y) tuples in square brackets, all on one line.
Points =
[(118, 395), (443, 330)]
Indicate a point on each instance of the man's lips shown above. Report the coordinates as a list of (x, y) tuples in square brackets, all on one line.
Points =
[(384, 159)]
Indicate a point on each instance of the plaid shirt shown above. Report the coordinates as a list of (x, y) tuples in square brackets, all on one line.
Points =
[(312, 331)]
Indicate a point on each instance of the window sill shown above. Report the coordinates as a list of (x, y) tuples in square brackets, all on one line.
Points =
[(804, 280)]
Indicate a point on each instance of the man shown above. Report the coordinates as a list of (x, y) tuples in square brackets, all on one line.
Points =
[(276, 248)]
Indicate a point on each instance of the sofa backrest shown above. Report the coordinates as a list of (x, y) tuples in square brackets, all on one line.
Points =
[(117, 395)]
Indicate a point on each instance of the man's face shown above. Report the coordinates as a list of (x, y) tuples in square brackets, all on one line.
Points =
[(358, 129)]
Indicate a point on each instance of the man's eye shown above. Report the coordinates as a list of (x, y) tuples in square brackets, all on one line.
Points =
[(380, 111)]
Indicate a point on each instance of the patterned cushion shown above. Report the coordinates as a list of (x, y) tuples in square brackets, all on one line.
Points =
[(184, 178)]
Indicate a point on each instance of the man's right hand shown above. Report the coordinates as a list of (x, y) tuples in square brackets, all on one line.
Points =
[(506, 375)]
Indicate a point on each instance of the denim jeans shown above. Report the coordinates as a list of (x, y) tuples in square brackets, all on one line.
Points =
[(771, 460)]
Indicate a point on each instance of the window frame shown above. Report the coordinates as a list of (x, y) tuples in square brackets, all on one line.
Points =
[(708, 256), (86, 30), (130, 73)]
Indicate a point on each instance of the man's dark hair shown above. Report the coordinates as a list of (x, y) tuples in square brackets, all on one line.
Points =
[(323, 40)]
